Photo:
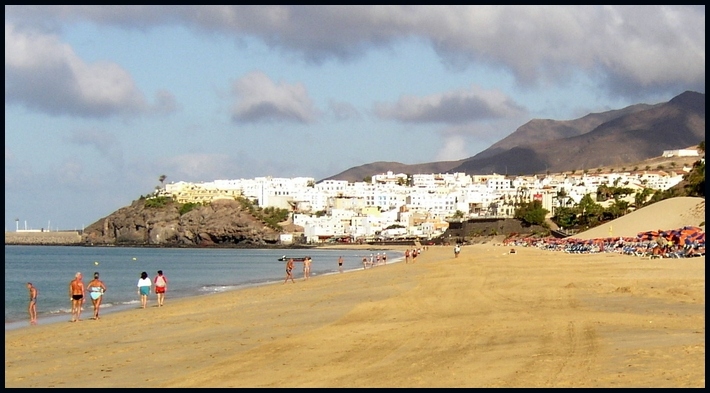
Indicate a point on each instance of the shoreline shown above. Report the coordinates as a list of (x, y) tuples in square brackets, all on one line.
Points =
[(110, 308), (488, 318)]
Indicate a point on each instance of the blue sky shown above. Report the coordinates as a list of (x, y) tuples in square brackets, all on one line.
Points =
[(102, 100)]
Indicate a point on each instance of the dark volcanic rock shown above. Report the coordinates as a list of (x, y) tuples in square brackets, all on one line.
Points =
[(221, 223)]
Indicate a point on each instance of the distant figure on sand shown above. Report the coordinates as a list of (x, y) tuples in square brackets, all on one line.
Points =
[(96, 292), (364, 263), (307, 267), (32, 309), (340, 263), (457, 250), (144, 285), (406, 256), (289, 270), (161, 286), (76, 295)]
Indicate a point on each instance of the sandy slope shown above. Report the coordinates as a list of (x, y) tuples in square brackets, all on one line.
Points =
[(668, 214)]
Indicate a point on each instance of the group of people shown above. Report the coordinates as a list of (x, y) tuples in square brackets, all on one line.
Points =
[(144, 288), (374, 260), (307, 261), (411, 256), (96, 290)]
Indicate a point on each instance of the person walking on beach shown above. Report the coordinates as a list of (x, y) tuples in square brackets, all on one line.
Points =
[(340, 263), (364, 263), (307, 267), (76, 295), (96, 293), (161, 286), (32, 309), (144, 288), (457, 250), (289, 270), (406, 256), (384, 258)]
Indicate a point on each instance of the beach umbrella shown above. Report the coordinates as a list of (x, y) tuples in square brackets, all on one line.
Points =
[(648, 235)]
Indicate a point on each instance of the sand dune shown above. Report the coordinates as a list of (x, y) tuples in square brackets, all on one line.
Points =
[(668, 214)]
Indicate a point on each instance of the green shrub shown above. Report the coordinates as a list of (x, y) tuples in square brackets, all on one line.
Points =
[(186, 207), (157, 202)]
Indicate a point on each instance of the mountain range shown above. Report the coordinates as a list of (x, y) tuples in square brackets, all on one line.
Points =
[(614, 138)]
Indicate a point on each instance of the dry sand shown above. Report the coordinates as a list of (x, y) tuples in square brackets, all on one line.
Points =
[(668, 214), (486, 319)]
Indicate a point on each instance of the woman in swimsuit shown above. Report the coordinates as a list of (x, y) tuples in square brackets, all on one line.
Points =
[(96, 291)]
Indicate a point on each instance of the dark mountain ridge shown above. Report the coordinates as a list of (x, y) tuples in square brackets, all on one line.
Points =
[(613, 138)]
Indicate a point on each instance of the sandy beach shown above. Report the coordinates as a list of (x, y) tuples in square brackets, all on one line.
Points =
[(488, 318)]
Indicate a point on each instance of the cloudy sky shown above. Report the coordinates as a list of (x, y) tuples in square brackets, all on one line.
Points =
[(102, 100)]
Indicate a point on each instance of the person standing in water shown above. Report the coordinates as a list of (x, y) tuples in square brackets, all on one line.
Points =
[(96, 293), (33, 303), (161, 286)]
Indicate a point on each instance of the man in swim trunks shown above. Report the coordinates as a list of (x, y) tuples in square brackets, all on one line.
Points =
[(289, 269), (340, 263), (96, 292), (33, 303), (76, 294)]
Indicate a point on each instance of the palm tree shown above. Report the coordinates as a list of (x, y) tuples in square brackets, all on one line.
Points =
[(162, 178)]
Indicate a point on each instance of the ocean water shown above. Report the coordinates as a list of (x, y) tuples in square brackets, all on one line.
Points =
[(190, 272)]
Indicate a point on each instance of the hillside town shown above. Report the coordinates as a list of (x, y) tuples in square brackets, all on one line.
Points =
[(401, 206)]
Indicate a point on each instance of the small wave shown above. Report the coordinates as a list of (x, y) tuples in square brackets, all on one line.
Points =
[(60, 311), (217, 288)]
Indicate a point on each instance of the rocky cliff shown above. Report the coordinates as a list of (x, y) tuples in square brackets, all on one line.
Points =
[(221, 223)]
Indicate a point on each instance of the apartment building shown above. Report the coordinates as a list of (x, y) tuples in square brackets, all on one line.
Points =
[(365, 209)]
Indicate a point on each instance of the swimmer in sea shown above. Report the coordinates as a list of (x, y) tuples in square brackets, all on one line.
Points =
[(96, 292)]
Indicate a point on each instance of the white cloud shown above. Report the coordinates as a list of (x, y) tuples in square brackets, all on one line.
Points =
[(196, 166), (44, 74), (453, 148), (624, 48), (455, 107), (258, 98)]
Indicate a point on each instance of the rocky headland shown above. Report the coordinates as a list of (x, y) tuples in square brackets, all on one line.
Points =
[(221, 223)]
